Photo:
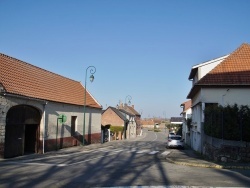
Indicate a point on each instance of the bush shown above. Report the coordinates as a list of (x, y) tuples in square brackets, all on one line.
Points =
[(157, 130), (116, 129), (229, 122)]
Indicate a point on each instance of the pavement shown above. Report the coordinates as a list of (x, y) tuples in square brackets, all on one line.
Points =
[(187, 157)]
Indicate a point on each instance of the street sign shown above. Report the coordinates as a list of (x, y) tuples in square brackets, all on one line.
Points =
[(62, 118)]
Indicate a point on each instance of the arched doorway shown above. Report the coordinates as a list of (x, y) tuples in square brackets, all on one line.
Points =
[(22, 131)]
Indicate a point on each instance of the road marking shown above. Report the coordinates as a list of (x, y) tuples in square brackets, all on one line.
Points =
[(143, 151), (155, 137), (112, 152), (153, 152), (165, 153), (108, 148)]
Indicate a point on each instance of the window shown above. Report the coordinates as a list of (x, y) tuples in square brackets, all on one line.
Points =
[(73, 125), (207, 105)]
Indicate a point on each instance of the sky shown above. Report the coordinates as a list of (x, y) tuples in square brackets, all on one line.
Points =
[(140, 48)]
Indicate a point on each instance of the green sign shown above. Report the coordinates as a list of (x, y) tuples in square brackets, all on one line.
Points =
[(62, 118)]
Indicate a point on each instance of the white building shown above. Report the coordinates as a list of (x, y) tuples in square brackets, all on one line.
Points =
[(186, 114), (43, 111), (222, 81)]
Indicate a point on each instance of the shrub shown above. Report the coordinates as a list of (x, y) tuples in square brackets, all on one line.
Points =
[(229, 122), (116, 129)]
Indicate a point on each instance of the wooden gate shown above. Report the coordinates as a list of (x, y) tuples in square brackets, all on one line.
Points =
[(22, 131)]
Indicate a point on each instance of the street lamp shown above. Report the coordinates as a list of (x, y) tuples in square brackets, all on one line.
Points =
[(129, 101), (141, 112), (91, 78)]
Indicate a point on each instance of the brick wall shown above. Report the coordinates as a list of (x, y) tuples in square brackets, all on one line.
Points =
[(109, 117)]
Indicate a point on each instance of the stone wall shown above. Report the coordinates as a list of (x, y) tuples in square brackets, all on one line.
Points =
[(226, 150), (3, 111)]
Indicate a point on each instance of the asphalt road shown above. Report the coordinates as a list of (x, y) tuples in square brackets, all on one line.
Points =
[(138, 162)]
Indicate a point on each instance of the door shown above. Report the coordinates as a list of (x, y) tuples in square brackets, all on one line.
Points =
[(22, 131), (31, 135), (15, 136)]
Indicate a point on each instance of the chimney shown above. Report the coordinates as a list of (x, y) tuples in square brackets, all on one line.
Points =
[(133, 106)]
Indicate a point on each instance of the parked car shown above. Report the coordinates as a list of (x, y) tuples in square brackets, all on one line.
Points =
[(170, 134), (175, 141)]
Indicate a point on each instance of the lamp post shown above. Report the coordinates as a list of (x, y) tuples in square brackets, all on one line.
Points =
[(91, 78), (129, 101), (141, 112)]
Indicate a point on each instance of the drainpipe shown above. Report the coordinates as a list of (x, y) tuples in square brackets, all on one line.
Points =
[(44, 115), (222, 119)]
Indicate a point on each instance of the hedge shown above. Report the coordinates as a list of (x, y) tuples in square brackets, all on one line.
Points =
[(229, 122), (116, 129)]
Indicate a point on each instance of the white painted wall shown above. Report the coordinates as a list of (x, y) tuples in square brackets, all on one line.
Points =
[(196, 128), (206, 67), (92, 120), (53, 110), (131, 129), (222, 96), (226, 96), (185, 132), (203, 70)]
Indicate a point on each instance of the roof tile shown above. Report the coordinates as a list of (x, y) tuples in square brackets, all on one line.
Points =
[(235, 69), (21, 78)]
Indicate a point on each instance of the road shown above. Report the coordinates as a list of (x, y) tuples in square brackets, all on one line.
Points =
[(137, 162)]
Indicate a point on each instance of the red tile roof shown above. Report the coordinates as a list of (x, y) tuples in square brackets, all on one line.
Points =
[(186, 105), (129, 109), (147, 122), (133, 111), (233, 71), (24, 79)]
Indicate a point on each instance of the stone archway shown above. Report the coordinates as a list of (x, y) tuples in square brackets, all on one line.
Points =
[(22, 131)]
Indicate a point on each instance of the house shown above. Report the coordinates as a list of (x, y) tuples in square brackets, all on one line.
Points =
[(152, 123), (43, 111), (112, 117), (119, 117), (131, 125), (186, 114), (137, 117), (148, 123), (222, 81)]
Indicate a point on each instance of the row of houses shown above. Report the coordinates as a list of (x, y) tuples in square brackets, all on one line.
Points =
[(42, 111), (122, 116), (221, 81)]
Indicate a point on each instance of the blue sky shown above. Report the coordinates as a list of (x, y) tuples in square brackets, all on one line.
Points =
[(141, 48)]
